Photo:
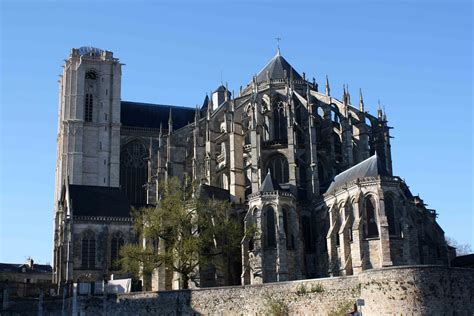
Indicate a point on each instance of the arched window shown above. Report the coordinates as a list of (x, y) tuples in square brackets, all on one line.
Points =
[(348, 213), (90, 87), (88, 106), (280, 131), (116, 243), (134, 172), (88, 250), (390, 213), (270, 227), (278, 166), (370, 212), (290, 239)]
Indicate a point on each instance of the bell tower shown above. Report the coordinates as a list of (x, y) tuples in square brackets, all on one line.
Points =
[(89, 119)]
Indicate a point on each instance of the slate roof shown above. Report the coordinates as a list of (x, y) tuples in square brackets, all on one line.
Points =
[(217, 193), (88, 200), (269, 184), (18, 268), (371, 167), (221, 88), (147, 115), (276, 69), (86, 50), (466, 261)]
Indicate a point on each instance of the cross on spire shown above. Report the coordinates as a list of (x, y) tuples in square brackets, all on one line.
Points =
[(278, 39)]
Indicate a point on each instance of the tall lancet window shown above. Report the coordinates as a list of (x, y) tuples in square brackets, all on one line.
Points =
[(88, 250), (270, 227), (116, 243), (390, 213), (370, 212), (90, 89), (134, 172), (278, 166), (280, 131)]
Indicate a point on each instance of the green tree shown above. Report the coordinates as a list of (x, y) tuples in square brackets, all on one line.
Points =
[(193, 231)]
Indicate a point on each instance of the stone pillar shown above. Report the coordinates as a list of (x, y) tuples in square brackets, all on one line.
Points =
[(282, 256), (291, 147), (313, 184), (237, 179), (384, 241), (347, 143), (255, 152), (256, 256), (357, 238)]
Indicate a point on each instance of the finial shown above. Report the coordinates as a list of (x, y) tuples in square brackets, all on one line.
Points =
[(170, 122), (278, 39), (344, 94), (328, 90), (226, 96), (379, 110), (348, 94), (361, 101), (196, 115)]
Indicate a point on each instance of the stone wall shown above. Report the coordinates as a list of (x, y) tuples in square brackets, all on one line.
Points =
[(412, 290)]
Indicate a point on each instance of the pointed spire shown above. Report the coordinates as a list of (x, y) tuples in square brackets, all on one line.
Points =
[(196, 115), (170, 123), (344, 94), (226, 96), (361, 101), (348, 95), (379, 110), (328, 90)]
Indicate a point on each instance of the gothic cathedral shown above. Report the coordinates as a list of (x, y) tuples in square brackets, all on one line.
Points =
[(311, 172)]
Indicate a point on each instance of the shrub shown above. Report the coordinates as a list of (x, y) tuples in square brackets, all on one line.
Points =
[(301, 289), (276, 307), (317, 288)]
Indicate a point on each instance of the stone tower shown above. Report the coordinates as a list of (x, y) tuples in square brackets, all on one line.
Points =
[(88, 141), (89, 119)]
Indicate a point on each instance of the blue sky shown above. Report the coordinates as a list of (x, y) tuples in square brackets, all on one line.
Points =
[(415, 57)]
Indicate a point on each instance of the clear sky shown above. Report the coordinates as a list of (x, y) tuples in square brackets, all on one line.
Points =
[(415, 56)]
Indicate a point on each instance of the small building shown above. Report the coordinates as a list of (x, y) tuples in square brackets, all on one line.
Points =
[(26, 279)]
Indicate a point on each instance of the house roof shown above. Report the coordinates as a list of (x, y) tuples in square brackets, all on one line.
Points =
[(463, 261), (371, 167), (147, 115), (24, 268), (90, 200), (276, 69)]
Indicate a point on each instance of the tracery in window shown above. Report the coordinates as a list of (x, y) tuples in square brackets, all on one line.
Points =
[(280, 131), (88, 250), (134, 172), (88, 107), (278, 166)]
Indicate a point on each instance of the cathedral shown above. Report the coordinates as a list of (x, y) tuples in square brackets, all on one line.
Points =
[(311, 172)]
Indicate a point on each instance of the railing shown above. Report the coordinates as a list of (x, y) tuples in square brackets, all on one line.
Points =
[(277, 143)]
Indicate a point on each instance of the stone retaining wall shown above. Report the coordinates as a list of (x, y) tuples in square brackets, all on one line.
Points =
[(413, 290)]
